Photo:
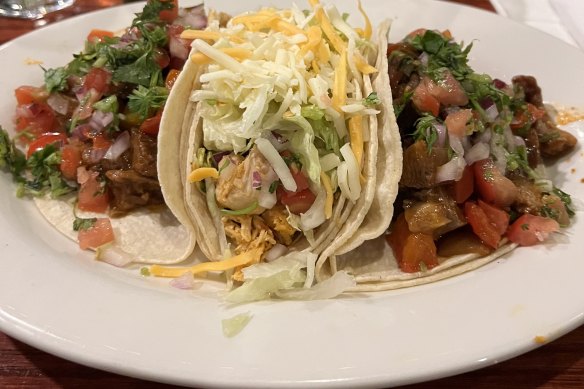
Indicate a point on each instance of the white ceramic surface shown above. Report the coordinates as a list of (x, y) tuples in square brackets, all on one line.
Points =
[(59, 299)]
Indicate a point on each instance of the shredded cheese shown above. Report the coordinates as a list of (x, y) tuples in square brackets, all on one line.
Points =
[(226, 264), (203, 172), (356, 135), (327, 27), (314, 35), (363, 66), (366, 32), (340, 85), (237, 53), (207, 35), (328, 205)]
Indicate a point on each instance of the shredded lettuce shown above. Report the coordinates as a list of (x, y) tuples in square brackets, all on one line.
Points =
[(236, 324), (302, 142), (332, 287)]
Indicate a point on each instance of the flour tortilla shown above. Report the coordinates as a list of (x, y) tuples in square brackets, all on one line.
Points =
[(375, 268), (157, 235)]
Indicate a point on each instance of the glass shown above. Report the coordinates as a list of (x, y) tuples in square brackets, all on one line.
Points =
[(31, 9)]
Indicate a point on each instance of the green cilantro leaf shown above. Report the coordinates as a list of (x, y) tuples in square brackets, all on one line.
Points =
[(425, 130), (372, 100), (11, 158), (144, 101), (83, 224), (55, 79)]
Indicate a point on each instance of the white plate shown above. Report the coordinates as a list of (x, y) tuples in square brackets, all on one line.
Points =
[(56, 298)]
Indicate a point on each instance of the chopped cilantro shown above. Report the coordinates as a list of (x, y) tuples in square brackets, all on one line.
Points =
[(400, 104), (525, 226), (144, 101), (55, 79), (425, 130), (11, 158), (145, 272), (566, 199), (82, 224), (274, 186), (372, 100)]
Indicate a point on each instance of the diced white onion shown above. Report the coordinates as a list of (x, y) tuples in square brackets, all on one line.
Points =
[(492, 112), (451, 171), (58, 103), (121, 144), (113, 255), (476, 153), (185, 281), (456, 145), (329, 162), (277, 162)]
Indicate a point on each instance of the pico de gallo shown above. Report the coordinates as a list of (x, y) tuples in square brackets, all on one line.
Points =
[(474, 148), (90, 130)]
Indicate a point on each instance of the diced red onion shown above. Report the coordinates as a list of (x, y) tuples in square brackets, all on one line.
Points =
[(256, 180), (486, 102), (81, 132), (279, 250), (28, 111), (499, 84), (121, 144), (179, 48), (93, 155), (217, 157), (451, 171), (185, 281), (58, 103), (100, 120), (194, 17), (476, 153), (86, 99), (492, 112), (441, 130)]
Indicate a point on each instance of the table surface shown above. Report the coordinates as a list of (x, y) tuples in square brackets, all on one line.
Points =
[(559, 364)]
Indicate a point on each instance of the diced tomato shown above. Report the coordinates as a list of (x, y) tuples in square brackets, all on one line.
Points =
[(492, 185), (498, 217), (44, 140), (424, 101), (529, 229), (101, 142), (92, 195), (462, 189), (447, 34), (456, 122), (297, 202), (36, 119), (97, 79), (97, 35), (411, 249), (97, 235), (416, 32), (170, 14), (301, 180), (161, 57), (70, 161), (527, 116), (171, 78), (481, 225), (151, 126), (447, 90), (30, 94)]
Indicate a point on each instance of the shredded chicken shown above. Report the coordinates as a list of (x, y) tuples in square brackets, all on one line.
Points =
[(234, 187), (277, 219), (249, 232)]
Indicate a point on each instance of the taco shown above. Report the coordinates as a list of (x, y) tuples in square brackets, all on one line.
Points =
[(90, 135), (283, 146), (473, 185)]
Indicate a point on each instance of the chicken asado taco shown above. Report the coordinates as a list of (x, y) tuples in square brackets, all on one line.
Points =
[(474, 184), (283, 133), (89, 136)]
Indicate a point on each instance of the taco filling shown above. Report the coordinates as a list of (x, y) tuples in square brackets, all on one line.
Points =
[(473, 174), (282, 128), (91, 128)]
